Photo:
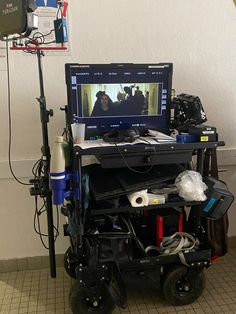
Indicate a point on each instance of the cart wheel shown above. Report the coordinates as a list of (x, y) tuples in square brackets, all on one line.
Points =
[(80, 303), (68, 265), (179, 289)]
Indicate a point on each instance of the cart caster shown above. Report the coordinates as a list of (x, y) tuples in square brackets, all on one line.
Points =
[(68, 265), (181, 289), (81, 304)]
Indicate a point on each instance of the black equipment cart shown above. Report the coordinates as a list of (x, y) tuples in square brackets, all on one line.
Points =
[(104, 240), (105, 236)]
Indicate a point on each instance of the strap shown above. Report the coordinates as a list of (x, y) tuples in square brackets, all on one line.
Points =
[(152, 248)]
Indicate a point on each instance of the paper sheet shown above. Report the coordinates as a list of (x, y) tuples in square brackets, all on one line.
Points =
[(161, 137), (101, 143)]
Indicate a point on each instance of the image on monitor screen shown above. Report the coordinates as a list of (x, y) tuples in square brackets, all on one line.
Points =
[(131, 99)]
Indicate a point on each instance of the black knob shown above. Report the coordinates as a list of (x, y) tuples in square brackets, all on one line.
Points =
[(148, 159)]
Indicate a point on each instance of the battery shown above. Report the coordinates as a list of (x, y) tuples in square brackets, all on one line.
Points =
[(60, 27), (205, 133), (186, 138)]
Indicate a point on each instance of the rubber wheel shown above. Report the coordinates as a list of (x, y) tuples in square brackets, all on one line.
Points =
[(80, 304), (181, 290), (68, 267)]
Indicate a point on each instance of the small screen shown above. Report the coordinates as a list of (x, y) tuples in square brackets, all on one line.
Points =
[(116, 97)]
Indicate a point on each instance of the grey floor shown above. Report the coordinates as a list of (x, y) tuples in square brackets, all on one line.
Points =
[(35, 292)]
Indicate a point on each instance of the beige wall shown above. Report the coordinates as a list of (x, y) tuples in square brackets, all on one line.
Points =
[(17, 238), (198, 36)]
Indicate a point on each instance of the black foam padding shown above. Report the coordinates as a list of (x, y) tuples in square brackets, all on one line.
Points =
[(132, 181), (110, 183), (104, 183)]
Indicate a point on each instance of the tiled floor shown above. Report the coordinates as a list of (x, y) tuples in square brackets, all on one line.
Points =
[(35, 292)]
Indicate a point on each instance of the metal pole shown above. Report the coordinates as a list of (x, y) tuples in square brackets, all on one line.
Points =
[(200, 161), (44, 114)]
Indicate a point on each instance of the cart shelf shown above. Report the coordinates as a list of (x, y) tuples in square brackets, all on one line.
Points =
[(198, 256), (128, 209)]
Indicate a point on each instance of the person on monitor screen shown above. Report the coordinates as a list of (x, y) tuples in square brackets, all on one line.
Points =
[(139, 100), (133, 104), (103, 105)]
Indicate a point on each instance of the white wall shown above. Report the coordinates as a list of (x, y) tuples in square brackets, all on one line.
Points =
[(230, 178), (198, 36)]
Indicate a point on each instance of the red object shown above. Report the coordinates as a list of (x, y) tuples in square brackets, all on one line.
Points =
[(214, 259), (159, 229), (64, 13), (38, 48), (181, 222)]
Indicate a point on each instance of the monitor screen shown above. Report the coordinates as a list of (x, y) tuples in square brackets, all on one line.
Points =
[(119, 96)]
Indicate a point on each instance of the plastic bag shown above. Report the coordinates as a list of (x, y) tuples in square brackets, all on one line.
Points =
[(190, 186)]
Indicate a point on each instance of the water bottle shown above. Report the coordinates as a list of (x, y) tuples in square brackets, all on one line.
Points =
[(57, 171), (66, 149)]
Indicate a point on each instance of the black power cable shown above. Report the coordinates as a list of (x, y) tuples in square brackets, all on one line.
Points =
[(10, 120), (38, 173), (37, 223), (135, 170)]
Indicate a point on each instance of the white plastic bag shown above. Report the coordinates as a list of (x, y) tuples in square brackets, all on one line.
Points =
[(190, 186)]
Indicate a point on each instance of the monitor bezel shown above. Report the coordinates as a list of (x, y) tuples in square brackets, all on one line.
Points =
[(69, 66)]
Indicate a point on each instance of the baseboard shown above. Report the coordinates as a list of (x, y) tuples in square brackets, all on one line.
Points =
[(29, 263), (40, 262), (22, 168)]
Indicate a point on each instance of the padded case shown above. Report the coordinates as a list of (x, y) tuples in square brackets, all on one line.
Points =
[(219, 199)]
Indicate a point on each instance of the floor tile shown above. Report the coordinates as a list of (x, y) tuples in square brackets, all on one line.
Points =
[(34, 292)]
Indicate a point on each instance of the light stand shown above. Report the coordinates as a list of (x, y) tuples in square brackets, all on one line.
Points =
[(45, 189), (20, 19), (41, 185)]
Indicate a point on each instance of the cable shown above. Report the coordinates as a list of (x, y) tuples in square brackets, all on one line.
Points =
[(37, 168), (36, 215), (40, 38), (37, 223), (10, 121), (58, 221), (37, 172), (49, 42), (179, 243), (59, 10), (129, 167)]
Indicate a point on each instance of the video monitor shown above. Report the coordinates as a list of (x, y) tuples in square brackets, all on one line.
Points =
[(119, 96)]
